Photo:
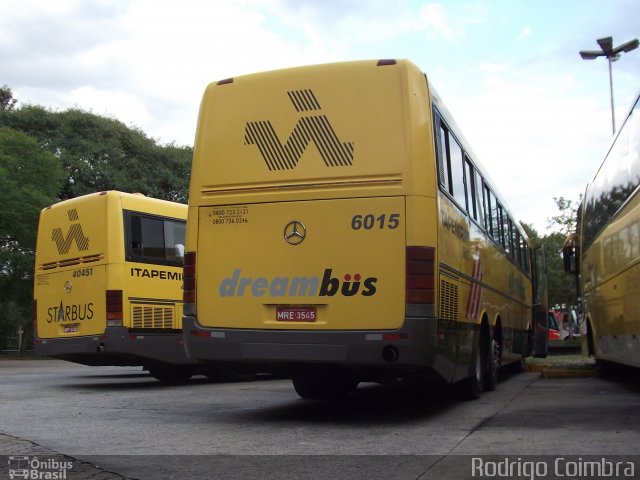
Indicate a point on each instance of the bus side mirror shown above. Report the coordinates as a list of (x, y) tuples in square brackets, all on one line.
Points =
[(570, 254)]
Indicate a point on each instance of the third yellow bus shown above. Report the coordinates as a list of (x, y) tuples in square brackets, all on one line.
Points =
[(606, 251)]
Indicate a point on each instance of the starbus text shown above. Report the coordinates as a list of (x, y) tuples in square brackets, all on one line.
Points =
[(70, 313)]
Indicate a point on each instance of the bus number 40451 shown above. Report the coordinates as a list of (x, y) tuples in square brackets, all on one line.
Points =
[(370, 221)]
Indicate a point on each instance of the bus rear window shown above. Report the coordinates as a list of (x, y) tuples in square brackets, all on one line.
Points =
[(153, 239)]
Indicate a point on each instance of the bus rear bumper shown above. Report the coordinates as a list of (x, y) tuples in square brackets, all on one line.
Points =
[(413, 347), (116, 346)]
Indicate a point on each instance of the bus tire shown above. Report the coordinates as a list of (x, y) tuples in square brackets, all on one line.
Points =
[(471, 387), (519, 366), (171, 374), (493, 366)]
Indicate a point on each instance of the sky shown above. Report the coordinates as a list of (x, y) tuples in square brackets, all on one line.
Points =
[(537, 116)]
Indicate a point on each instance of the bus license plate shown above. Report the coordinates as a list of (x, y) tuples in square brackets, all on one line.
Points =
[(288, 313), (72, 328)]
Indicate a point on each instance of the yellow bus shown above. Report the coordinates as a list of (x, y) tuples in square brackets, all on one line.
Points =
[(341, 230), (108, 283), (605, 252)]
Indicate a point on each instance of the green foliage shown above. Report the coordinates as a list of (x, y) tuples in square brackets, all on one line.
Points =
[(566, 220), (7, 102), (100, 153), (30, 178), (562, 285)]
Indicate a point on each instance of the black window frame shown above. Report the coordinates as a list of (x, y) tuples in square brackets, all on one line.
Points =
[(131, 255)]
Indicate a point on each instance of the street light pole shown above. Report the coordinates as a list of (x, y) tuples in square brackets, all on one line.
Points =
[(613, 116), (612, 53)]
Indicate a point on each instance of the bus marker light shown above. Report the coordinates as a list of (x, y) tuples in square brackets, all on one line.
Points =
[(196, 333), (395, 336)]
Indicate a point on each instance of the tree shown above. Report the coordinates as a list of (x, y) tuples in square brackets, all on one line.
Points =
[(561, 285), (47, 156), (566, 220), (7, 102), (100, 153), (30, 178)]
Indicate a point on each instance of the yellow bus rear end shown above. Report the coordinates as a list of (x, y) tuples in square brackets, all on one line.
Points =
[(313, 229), (108, 282)]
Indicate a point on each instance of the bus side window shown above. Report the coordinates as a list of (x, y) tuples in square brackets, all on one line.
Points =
[(136, 245), (457, 173), (488, 210), (450, 163), (511, 239), (506, 232), (496, 219), (152, 238), (472, 204), (479, 198), (525, 257), (518, 248), (155, 239), (174, 233), (442, 150)]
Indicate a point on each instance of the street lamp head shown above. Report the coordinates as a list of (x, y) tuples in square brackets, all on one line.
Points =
[(626, 47), (606, 44), (591, 54), (612, 54)]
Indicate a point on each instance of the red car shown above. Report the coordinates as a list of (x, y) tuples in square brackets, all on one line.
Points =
[(555, 325)]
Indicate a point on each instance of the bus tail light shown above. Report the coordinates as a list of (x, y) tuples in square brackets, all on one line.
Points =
[(114, 308), (419, 289), (189, 283)]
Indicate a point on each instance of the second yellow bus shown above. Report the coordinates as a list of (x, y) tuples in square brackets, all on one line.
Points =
[(340, 229), (108, 283)]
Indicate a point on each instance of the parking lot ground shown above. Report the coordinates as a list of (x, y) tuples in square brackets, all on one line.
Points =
[(122, 423)]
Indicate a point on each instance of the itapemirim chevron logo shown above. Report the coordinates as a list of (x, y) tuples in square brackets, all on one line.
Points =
[(309, 128), (63, 242)]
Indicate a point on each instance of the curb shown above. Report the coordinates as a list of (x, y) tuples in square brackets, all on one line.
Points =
[(552, 373), (549, 371)]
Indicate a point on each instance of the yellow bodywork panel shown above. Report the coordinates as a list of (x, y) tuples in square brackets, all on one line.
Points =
[(343, 257), (80, 255), (71, 268)]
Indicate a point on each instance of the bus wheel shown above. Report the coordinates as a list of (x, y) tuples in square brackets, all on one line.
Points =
[(519, 366), (171, 374), (471, 388), (323, 384), (493, 366)]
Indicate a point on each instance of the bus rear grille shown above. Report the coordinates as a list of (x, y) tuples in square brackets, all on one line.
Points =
[(152, 316), (448, 300)]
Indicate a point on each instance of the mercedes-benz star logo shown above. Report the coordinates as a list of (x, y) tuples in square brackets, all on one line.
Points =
[(295, 232), (67, 287)]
